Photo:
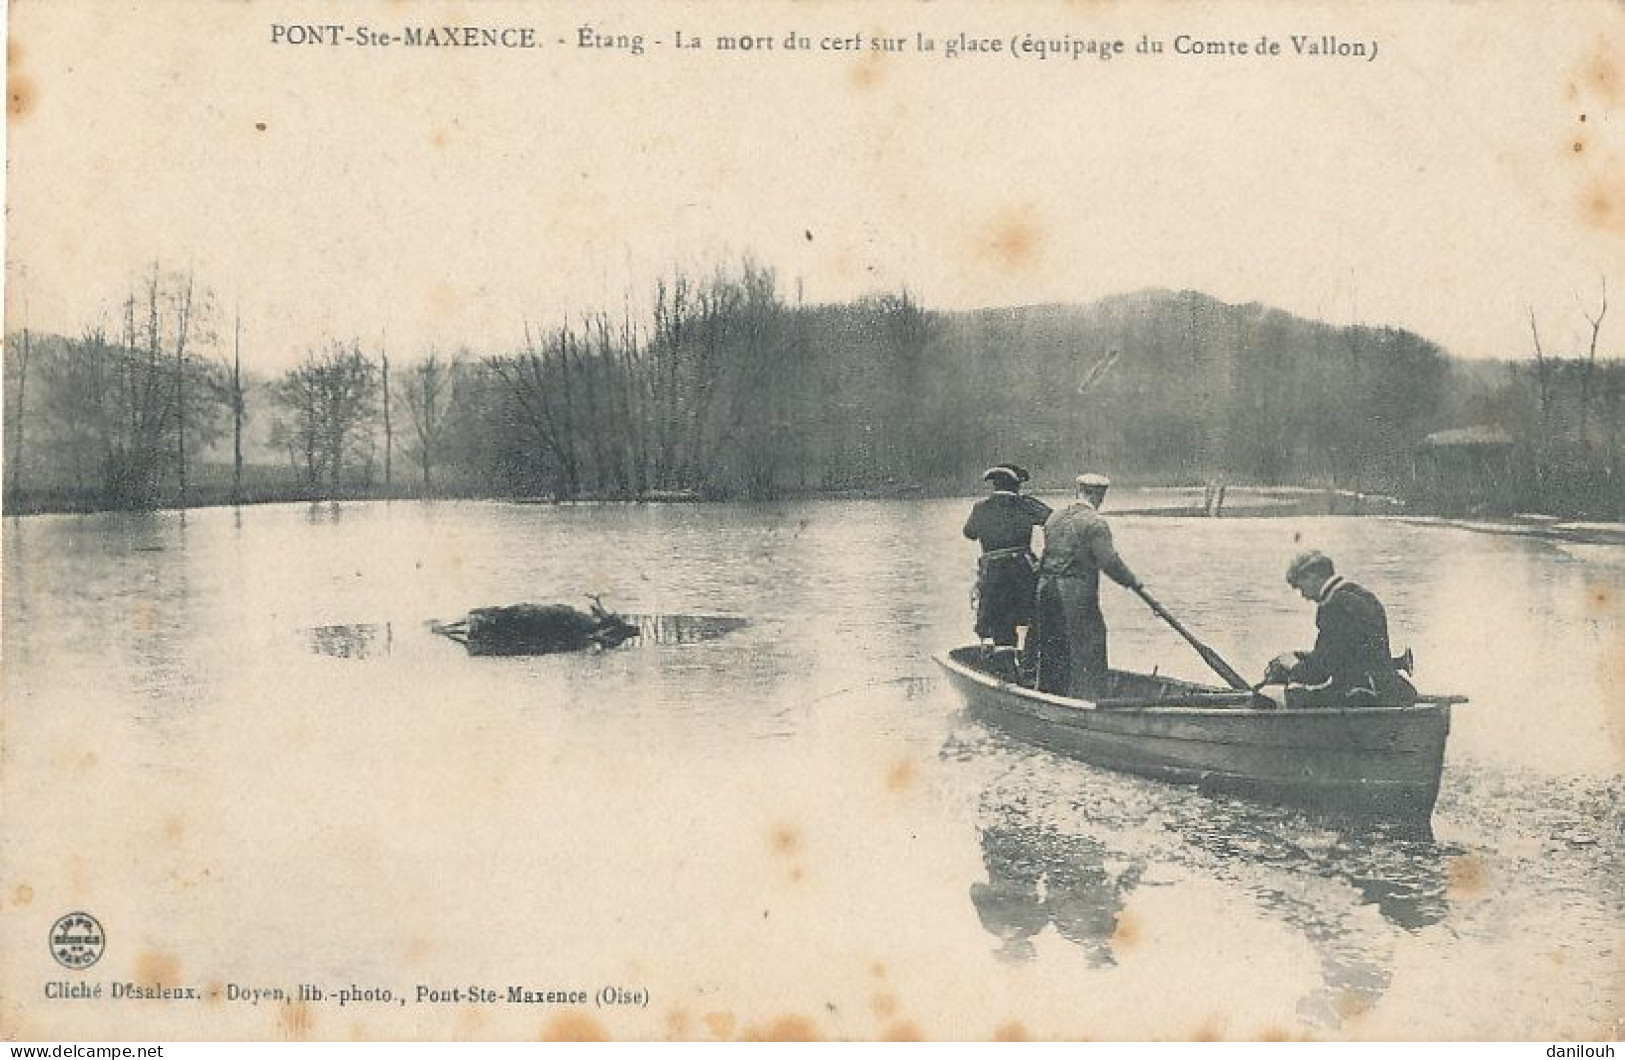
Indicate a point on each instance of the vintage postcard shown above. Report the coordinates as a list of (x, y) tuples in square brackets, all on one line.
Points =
[(814, 520)]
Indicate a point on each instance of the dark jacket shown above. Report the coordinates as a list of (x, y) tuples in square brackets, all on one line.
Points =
[(1005, 520), (1005, 584), (1351, 656)]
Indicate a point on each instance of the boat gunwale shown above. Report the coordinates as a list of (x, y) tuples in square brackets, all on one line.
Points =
[(946, 660)]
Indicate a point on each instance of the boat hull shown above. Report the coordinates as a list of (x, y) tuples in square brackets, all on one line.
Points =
[(1367, 762)]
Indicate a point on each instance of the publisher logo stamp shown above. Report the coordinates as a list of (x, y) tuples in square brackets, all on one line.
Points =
[(77, 941)]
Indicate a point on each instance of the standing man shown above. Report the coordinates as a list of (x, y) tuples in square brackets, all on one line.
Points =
[(1071, 629), (1003, 523), (1351, 664)]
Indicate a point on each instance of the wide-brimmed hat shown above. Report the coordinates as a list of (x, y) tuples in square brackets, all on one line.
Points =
[(1002, 476), (1093, 481)]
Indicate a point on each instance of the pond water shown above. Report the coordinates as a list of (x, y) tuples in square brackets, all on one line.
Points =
[(234, 737)]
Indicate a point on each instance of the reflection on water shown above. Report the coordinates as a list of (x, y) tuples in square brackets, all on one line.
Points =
[(683, 629), (159, 651), (1400, 876), (1038, 876), (356, 641), (363, 640), (1067, 847), (1076, 870)]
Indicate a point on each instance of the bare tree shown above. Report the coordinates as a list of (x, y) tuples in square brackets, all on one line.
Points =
[(1591, 365), (389, 434), (1543, 404), (237, 409), (183, 321), (331, 397), (428, 392), (529, 379)]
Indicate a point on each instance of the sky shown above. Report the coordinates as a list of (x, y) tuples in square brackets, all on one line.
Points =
[(416, 197)]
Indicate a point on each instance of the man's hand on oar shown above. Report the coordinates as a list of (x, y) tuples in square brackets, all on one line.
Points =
[(1276, 673)]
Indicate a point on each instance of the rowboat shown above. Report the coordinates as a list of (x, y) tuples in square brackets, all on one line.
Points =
[(1380, 762)]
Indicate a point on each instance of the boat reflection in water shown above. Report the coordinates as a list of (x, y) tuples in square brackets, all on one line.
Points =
[(1037, 877), (1317, 879), (1072, 857)]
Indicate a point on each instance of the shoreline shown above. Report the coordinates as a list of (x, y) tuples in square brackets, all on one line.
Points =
[(1243, 502)]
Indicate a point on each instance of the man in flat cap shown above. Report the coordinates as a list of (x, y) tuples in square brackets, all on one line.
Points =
[(1002, 522), (1351, 664), (1071, 629)]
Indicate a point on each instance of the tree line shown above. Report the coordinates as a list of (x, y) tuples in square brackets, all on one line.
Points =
[(722, 386)]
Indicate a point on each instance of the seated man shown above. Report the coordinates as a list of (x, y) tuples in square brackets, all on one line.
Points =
[(1351, 664)]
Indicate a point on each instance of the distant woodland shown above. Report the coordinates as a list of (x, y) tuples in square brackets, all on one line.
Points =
[(724, 387)]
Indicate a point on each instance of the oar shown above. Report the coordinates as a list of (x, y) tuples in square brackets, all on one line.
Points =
[(1209, 656)]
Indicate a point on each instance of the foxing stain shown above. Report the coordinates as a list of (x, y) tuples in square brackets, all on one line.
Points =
[(1601, 74), (21, 96), (900, 777), (1600, 206), (153, 967), (1466, 876), (295, 1022), (1010, 1031), (1211, 1029), (574, 1027), (784, 840), (22, 895), (470, 1019), (1127, 933), (720, 1025), (418, 951), (789, 1028), (1013, 241), (1351, 1005), (444, 299), (868, 71)]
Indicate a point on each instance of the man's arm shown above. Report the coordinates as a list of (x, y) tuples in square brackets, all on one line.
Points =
[(1338, 628), (972, 528), (1107, 559)]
